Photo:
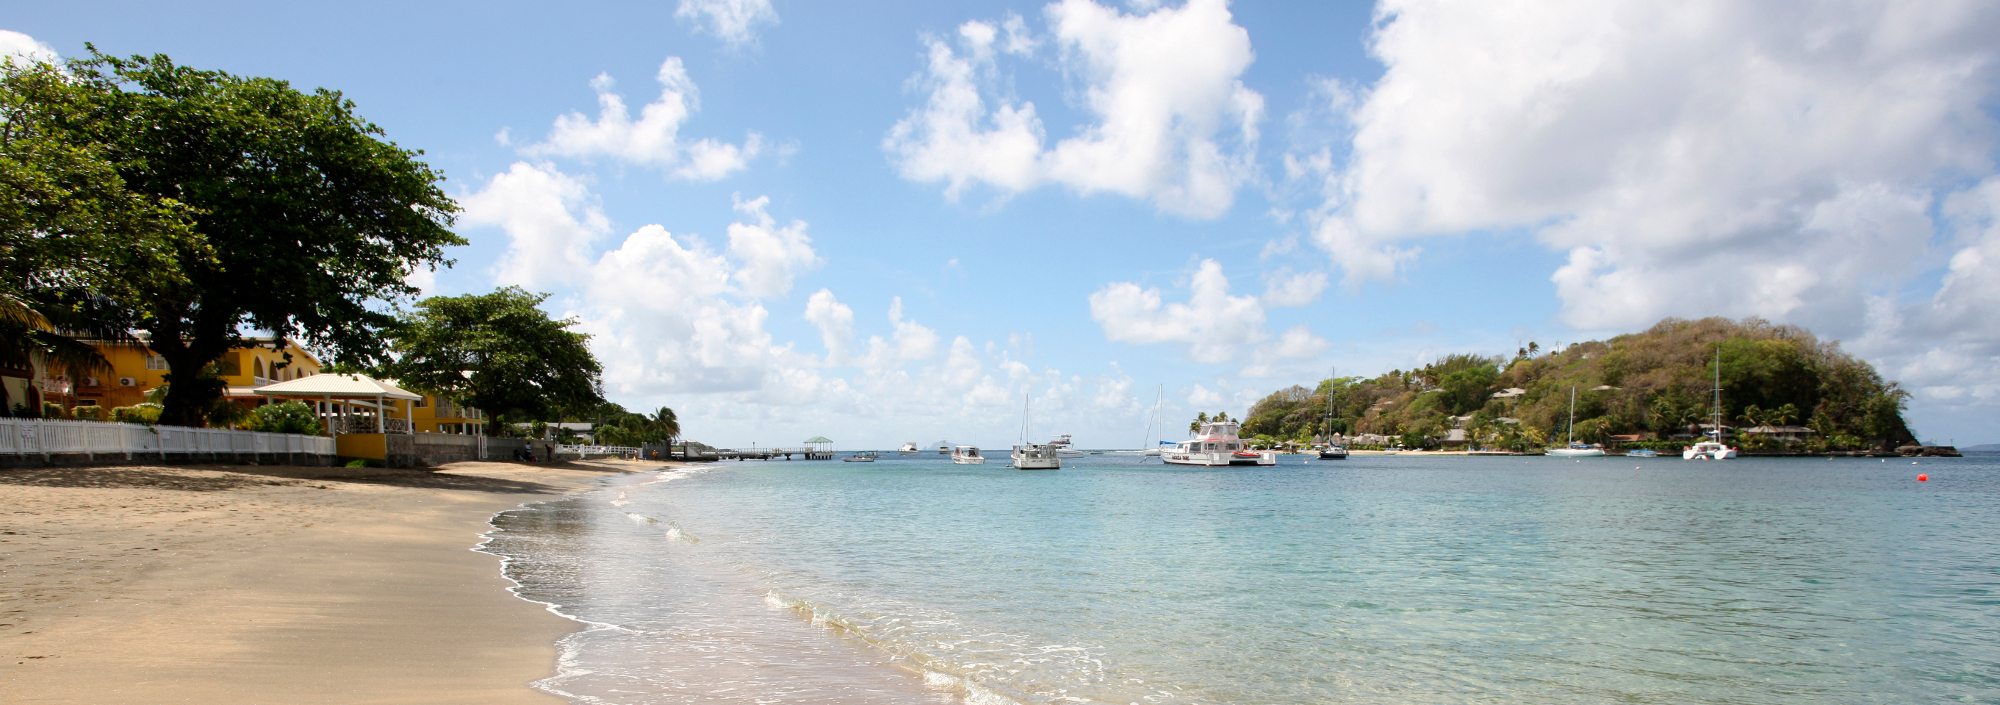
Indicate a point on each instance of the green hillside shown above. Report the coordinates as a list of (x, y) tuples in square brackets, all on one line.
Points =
[(1655, 383)]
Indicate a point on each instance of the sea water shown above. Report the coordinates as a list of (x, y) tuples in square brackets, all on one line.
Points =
[(1376, 579)]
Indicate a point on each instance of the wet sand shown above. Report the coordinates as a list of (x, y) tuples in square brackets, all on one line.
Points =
[(245, 584)]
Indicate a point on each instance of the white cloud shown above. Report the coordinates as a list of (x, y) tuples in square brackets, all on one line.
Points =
[(835, 321), (16, 44), (909, 342), (1212, 323), (1287, 288), (1954, 363), (771, 256), (654, 139), (1201, 397), (1172, 120), (552, 220), (733, 21), (1736, 158)]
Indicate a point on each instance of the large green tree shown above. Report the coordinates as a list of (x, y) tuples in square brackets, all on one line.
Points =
[(78, 250), (310, 221), (497, 352)]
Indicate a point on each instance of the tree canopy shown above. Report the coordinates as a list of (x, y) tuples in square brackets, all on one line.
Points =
[(497, 352), (308, 220), (1657, 381)]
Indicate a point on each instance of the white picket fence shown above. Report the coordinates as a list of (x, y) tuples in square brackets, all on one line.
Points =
[(44, 437)]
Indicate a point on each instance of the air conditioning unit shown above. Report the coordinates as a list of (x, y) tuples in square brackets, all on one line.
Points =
[(90, 381), (127, 382)]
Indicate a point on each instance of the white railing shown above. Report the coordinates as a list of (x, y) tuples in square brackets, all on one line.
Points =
[(596, 450), (43, 437), (365, 424)]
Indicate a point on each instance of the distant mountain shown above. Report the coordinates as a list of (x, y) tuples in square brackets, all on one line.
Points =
[(1982, 448)]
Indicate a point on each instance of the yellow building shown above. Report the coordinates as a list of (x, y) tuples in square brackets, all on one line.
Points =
[(436, 414), (135, 370)]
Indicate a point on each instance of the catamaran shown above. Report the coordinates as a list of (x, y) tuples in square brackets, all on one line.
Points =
[(1712, 449), (1217, 444), (1575, 449)]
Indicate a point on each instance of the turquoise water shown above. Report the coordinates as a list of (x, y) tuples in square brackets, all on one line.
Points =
[(1397, 579)]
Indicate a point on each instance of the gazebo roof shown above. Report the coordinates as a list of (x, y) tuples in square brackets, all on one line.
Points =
[(819, 439), (337, 386)]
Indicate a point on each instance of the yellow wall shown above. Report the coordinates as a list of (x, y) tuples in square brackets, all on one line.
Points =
[(129, 360), (361, 445), (439, 416)]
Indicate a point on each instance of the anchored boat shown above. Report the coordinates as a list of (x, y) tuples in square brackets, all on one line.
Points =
[(1217, 444)]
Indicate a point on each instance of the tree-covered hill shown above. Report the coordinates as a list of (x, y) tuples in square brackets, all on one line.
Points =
[(1657, 382)]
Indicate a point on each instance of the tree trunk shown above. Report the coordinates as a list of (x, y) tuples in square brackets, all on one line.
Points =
[(189, 392)]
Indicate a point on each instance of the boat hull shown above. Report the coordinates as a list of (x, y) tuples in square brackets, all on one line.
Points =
[(968, 461), (1221, 459), (1333, 454), (1576, 452), (1037, 463), (1703, 453)]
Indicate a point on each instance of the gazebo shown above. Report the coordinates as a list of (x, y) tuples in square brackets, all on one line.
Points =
[(347, 394), (818, 445)]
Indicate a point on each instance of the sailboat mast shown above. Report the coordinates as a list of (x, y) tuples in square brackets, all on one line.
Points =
[(1572, 415)]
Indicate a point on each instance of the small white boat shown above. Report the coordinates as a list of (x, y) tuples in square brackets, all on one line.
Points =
[(966, 455), (1036, 456), (1575, 449), (909, 448), (944, 447), (1642, 453), (866, 456), (1217, 445)]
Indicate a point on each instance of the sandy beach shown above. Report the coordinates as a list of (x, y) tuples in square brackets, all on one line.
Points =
[(248, 584)]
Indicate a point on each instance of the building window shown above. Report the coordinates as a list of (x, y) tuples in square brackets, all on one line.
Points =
[(421, 402), (156, 362)]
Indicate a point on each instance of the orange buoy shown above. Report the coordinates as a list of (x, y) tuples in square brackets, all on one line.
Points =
[(1923, 478)]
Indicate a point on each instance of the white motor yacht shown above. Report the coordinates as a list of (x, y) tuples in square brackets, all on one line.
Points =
[(1036, 456), (909, 448), (1064, 448), (1217, 444), (944, 447), (966, 455)]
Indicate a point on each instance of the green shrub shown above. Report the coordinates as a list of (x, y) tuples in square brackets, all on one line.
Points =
[(364, 463), (146, 413), (287, 417), (52, 410), (90, 413)]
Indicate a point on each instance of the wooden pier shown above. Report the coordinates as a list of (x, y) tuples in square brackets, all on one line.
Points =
[(774, 454)]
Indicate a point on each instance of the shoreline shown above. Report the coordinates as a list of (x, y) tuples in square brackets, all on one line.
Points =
[(272, 583)]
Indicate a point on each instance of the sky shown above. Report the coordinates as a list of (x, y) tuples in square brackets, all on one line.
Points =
[(911, 221)]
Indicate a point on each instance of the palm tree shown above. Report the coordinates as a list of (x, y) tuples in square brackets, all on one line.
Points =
[(669, 426), (29, 337)]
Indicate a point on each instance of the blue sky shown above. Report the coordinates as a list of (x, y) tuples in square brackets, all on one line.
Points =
[(883, 222)]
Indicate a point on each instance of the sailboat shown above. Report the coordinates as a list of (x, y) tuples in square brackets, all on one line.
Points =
[(1332, 451), (1575, 449), (1159, 405), (1034, 456), (1712, 449)]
